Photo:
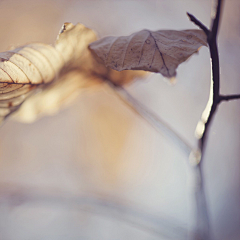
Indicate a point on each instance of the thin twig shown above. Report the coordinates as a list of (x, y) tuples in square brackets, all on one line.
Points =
[(203, 224), (216, 11), (212, 42), (215, 97), (229, 97), (198, 23)]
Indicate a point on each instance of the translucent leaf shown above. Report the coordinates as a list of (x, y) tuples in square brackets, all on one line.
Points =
[(161, 51), (72, 42), (56, 73), (56, 96), (36, 66), (12, 96), (69, 86)]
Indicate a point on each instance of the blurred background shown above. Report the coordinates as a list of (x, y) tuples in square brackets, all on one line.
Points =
[(96, 170)]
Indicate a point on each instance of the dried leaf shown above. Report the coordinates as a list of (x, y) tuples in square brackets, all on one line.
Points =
[(36, 65), (161, 51), (62, 92), (23, 70), (56, 96), (12, 96), (97, 68), (72, 42)]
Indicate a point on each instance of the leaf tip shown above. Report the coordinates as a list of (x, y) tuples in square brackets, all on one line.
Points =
[(66, 26)]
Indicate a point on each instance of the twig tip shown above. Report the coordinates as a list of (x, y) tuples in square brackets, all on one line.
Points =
[(190, 15)]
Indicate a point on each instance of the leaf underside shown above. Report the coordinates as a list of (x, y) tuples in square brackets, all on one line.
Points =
[(160, 51)]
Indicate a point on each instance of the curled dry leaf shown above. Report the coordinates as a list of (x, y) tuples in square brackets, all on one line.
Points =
[(160, 51), (68, 87), (107, 74), (58, 95), (72, 42), (12, 96), (55, 73), (23, 70), (36, 66)]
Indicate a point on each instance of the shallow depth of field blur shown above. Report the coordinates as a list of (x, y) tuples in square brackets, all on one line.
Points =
[(96, 170)]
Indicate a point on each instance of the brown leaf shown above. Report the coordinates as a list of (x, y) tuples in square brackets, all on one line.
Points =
[(73, 43), (161, 51), (97, 68)]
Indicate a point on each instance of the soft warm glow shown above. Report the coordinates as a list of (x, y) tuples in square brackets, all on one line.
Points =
[(201, 124)]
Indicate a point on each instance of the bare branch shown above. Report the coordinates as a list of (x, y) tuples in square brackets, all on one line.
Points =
[(203, 224), (198, 23), (215, 19), (229, 97), (215, 89)]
